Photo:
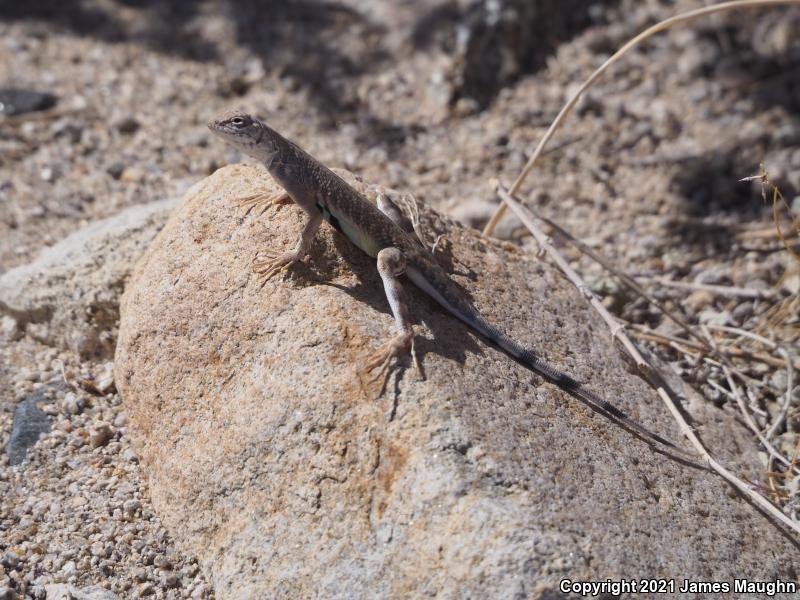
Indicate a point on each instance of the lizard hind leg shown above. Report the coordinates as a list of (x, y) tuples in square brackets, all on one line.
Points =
[(391, 265)]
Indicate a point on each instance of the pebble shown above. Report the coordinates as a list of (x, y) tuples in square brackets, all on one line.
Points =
[(116, 169), (132, 175), (170, 580), (16, 101), (104, 381), (742, 311), (69, 568), (8, 328), (127, 125), (698, 300), (80, 142), (129, 455), (100, 435), (29, 424), (72, 404)]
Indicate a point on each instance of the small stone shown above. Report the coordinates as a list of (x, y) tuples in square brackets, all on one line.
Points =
[(698, 300), (116, 169), (104, 381), (795, 208), (465, 107), (28, 424), (742, 311), (121, 420), (72, 404), (14, 101), (170, 580), (57, 591), (145, 589), (9, 329), (162, 562), (6, 593), (791, 283), (129, 455), (131, 506), (710, 316), (69, 568), (127, 125), (100, 435), (132, 175), (779, 380), (47, 174)]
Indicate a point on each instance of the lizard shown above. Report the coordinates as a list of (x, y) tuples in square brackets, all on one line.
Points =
[(376, 230)]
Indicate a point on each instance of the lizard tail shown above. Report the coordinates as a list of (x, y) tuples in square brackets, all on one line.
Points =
[(528, 358), (569, 384)]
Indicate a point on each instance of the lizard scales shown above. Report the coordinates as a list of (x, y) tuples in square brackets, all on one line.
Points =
[(325, 195)]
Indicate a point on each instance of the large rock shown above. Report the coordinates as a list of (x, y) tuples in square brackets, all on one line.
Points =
[(273, 459), (69, 296)]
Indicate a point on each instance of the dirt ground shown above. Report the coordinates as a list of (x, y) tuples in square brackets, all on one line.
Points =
[(439, 98)]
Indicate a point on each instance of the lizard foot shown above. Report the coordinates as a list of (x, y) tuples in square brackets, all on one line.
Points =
[(381, 360), (272, 264), (263, 200)]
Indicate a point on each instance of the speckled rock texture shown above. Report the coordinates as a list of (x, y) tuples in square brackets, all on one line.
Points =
[(276, 462), (69, 296)]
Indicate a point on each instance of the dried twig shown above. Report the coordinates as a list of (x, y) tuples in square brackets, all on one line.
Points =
[(787, 399), (777, 201), (655, 336), (626, 279), (737, 396), (666, 24), (667, 395), (719, 290)]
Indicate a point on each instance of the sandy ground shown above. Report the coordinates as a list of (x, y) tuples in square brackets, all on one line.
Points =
[(648, 174)]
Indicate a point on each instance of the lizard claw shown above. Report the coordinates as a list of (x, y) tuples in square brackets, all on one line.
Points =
[(272, 264), (381, 359), (262, 200)]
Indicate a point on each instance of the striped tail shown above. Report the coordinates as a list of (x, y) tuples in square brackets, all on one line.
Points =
[(565, 382)]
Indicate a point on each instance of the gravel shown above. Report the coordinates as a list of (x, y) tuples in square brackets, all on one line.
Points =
[(121, 93)]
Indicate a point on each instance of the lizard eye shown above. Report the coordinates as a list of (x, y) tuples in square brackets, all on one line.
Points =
[(237, 121)]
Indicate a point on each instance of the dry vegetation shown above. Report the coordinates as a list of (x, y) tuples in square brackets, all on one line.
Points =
[(755, 366)]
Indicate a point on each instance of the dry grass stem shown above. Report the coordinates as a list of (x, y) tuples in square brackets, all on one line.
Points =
[(778, 202), (787, 399), (667, 395), (663, 338), (661, 26), (719, 290), (737, 396), (624, 278)]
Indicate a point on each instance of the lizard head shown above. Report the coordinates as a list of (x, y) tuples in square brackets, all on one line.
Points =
[(244, 132)]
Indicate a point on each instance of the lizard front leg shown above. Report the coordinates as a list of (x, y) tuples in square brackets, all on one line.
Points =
[(272, 264), (391, 265), (263, 200)]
